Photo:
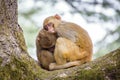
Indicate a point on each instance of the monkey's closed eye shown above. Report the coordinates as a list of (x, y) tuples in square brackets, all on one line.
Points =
[(49, 24)]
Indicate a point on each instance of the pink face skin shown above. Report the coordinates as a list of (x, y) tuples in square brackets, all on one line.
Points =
[(49, 27)]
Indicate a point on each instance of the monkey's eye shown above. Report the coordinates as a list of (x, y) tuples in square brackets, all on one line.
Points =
[(49, 24)]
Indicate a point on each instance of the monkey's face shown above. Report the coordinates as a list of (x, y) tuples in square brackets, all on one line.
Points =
[(49, 27), (51, 22)]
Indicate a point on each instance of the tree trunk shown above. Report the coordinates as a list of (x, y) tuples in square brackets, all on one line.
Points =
[(16, 64)]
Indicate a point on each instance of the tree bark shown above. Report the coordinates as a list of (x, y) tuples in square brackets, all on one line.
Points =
[(16, 64)]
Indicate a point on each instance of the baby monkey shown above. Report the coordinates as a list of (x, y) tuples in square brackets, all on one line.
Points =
[(45, 44)]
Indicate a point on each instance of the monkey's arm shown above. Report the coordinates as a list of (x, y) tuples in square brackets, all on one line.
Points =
[(67, 31), (77, 35)]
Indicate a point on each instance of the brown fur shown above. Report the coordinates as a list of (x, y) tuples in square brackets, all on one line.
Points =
[(73, 47), (45, 43)]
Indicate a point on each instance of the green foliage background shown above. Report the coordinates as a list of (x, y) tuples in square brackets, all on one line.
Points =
[(29, 9)]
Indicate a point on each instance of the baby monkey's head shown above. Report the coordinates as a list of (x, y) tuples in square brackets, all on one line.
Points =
[(46, 39)]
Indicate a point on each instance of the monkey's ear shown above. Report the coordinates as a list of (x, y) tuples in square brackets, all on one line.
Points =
[(57, 17), (38, 39)]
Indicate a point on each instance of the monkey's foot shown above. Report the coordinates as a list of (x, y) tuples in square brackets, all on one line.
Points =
[(51, 66)]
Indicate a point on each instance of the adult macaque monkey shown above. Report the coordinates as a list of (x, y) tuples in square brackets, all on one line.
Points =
[(45, 43), (73, 47)]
